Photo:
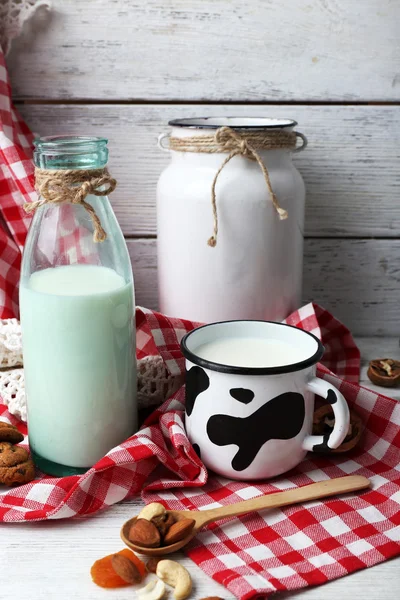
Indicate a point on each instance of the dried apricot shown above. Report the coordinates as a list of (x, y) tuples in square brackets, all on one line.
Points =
[(103, 574)]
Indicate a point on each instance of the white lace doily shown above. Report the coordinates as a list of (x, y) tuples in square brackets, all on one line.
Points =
[(155, 383), (10, 343), (13, 14), (12, 392)]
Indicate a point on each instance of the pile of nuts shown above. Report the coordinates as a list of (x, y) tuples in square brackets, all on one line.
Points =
[(125, 568), (156, 527)]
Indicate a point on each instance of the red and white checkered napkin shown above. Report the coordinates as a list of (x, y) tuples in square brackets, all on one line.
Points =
[(257, 554), (16, 188)]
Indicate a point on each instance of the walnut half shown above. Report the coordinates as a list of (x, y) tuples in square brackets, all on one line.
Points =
[(384, 371)]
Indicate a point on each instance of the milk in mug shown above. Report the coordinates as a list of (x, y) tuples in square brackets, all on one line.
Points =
[(80, 368), (250, 352)]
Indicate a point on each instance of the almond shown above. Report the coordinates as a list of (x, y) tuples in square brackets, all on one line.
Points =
[(144, 533), (178, 531), (163, 523), (125, 569)]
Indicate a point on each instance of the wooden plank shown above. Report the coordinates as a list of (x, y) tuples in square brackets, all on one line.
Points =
[(351, 166), (62, 552), (211, 50), (357, 280)]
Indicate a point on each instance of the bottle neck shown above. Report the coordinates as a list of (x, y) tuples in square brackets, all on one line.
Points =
[(70, 153)]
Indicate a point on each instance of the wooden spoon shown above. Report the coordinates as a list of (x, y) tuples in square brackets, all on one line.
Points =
[(322, 489)]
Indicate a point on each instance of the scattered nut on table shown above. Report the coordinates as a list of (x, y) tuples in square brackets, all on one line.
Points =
[(177, 576), (126, 569), (151, 564), (384, 372), (154, 590)]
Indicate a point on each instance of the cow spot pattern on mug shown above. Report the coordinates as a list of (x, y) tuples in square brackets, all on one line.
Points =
[(331, 397), (197, 381), (242, 395), (323, 447), (281, 419)]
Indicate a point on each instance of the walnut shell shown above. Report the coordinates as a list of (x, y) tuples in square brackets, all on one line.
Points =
[(384, 372), (324, 420)]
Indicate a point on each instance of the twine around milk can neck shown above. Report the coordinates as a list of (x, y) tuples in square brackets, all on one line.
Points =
[(245, 144), (73, 186)]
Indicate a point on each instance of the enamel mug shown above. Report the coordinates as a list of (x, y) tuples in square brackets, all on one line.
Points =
[(248, 419)]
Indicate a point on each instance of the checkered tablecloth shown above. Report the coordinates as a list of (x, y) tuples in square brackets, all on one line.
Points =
[(258, 554)]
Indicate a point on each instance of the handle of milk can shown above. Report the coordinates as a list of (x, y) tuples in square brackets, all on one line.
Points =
[(162, 137), (323, 443), (304, 144)]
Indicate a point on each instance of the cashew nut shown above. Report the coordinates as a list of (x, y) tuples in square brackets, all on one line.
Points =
[(154, 590), (154, 509), (174, 574)]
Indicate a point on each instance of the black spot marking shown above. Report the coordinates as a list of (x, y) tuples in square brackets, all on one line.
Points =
[(196, 448), (281, 418), (331, 397), (197, 381), (323, 447), (241, 394)]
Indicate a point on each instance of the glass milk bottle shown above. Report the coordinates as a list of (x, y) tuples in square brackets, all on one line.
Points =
[(77, 311)]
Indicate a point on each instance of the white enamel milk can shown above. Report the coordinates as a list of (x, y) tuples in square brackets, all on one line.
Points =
[(230, 213)]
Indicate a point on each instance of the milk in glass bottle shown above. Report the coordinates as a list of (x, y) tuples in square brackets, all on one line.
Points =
[(77, 311)]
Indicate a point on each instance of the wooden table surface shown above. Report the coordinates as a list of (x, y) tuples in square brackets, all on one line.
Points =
[(39, 561)]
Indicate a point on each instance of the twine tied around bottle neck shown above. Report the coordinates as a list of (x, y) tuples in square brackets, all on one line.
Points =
[(73, 185), (246, 144)]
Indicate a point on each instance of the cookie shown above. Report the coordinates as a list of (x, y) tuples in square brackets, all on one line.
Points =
[(9, 433), (22, 473), (10, 455)]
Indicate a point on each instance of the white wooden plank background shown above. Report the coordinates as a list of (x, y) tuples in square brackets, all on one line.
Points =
[(44, 560), (212, 50), (351, 167), (112, 61), (358, 280)]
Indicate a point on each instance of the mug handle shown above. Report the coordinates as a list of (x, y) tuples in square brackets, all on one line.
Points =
[(332, 440)]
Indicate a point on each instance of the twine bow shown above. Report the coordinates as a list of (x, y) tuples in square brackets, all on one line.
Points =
[(233, 142), (73, 186)]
